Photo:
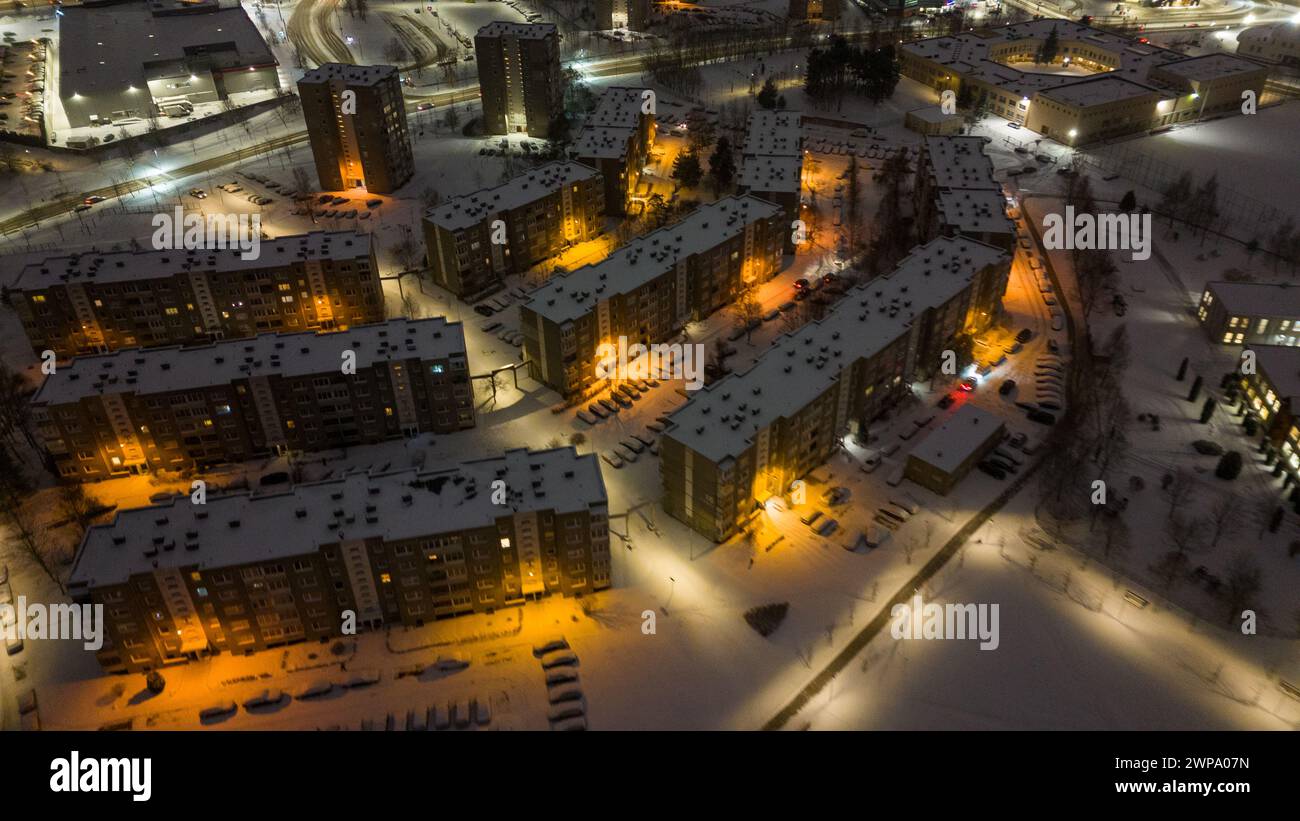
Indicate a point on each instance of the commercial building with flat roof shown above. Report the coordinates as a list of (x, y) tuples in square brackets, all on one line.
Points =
[(246, 572), (616, 139), (143, 410), (519, 77), (1250, 313), (122, 60), (649, 289), (1133, 86), (356, 121), (947, 453), (748, 436), (1271, 42), (94, 301), (542, 211)]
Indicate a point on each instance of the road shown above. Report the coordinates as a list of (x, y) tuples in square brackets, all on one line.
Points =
[(312, 31)]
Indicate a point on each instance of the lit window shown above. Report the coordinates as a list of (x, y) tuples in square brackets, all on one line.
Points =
[(385, 578), (38, 298), (435, 368), (505, 543), (171, 311), (388, 411)]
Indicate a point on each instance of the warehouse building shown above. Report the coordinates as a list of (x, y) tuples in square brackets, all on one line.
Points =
[(124, 60), (248, 572), (139, 411), (541, 212), (93, 302)]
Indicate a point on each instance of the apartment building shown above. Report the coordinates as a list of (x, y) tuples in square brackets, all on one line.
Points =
[(633, 15), (1132, 87), (957, 194), (248, 572), (744, 439), (142, 410), (828, 10), (616, 139), (1250, 313), (356, 122), (542, 212), (93, 302), (649, 289), (519, 77), (772, 163)]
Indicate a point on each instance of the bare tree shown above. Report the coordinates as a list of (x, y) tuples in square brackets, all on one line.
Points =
[(1224, 518), (1183, 535), (1242, 584), (1179, 490)]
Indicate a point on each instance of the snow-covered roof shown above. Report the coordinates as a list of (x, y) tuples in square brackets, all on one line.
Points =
[(614, 122), (932, 114), (107, 48), (1106, 88), (1280, 366), (521, 31), (245, 528), (774, 134), (953, 442), (765, 174), (471, 209), (974, 211), (1257, 299), (160, 370), (121, 266), (960, 162), (968, 55), (350, 74), (1210, 67), (720, 421), (568, 297)]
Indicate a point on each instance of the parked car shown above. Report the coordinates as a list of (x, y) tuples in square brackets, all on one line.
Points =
[(1007, 386), (1025, 335), (968, 384), (612, 459), (992, 470), (810, 517), (946, 401), (1041, 417)]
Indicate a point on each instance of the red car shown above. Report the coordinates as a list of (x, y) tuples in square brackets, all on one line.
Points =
[(968, 384)]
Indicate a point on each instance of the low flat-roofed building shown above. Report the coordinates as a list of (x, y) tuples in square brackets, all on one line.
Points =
[(616, 139), (120, 60), (1271, 390), (1272, 42), (947, 453), (95, 301), (745, 438), (246, 572), (931, 121), (542, 211), (649, 289), (144, 410), (1251, 313)]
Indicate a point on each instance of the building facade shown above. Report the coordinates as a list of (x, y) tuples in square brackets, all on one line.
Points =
[(646, 291), (138, 411), (356, 122), (519, 77), (828, 10), (616, 140), (744, 439), (1271, 394), (540, 213), (95, 302), (1250, 313), (633, 15), (244, 572), (949, 452)]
